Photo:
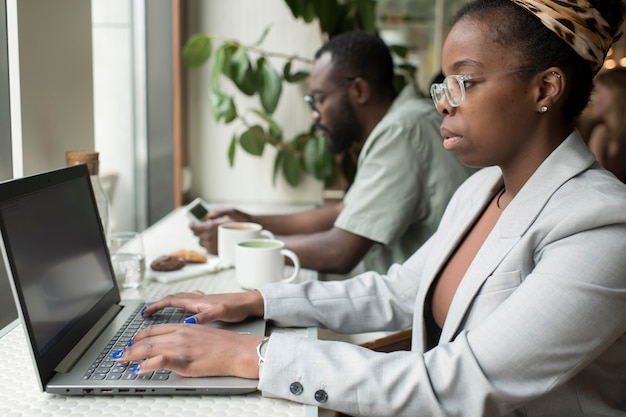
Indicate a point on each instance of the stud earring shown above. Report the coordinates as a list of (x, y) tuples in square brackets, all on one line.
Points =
[(544, 109)]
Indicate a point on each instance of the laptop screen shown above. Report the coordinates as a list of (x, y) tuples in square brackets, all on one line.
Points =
[(58, 257)]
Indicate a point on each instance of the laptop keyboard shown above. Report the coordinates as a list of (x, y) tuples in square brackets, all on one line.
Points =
[(105, 367)]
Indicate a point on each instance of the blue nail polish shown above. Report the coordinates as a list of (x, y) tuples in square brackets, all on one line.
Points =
[(136, 369), (118, 354), (130, 343), (143, 310), (190, 320)]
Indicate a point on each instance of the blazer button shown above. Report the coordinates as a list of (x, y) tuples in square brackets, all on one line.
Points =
[(296, 388), (321, 396)]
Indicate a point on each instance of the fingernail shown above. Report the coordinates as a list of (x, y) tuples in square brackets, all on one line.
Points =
[(190, 320), (143, 310), (118, 354), (130, 343), (136, 369)]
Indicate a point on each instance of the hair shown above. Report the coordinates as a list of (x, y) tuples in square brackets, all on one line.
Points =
[(539, 47), (363, 55), (615, 80)]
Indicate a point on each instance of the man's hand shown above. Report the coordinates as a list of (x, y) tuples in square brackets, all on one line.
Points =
[(207, 230)]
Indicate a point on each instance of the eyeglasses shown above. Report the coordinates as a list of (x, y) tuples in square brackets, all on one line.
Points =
[(318, 97), (453, 86)]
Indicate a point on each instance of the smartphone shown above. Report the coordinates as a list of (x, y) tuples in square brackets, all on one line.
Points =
[(197, 210)]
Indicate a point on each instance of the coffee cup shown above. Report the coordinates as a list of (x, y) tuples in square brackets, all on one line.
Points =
[(229, 234), (261, 261)]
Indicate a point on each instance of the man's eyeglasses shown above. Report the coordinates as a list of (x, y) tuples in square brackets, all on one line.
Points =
[(318, 97), (453, 86)]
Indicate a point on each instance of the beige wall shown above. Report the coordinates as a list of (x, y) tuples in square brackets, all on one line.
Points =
[(55, 81), (250, 180)]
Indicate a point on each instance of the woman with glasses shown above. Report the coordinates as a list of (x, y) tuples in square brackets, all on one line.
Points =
[(517, 303)]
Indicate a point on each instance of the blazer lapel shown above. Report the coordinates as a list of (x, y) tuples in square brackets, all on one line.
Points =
[(451, 231), (568, 160)]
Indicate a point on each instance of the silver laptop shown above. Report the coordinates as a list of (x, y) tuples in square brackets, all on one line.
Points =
[(69, 303)]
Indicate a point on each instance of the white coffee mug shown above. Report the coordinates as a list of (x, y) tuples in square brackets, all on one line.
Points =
[(261, 261), (229, 234)]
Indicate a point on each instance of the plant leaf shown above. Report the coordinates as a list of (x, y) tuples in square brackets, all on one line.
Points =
[(308, 14), (228, 50), (317, 161), (295, 77), (239, 64), (296, 7), (303, 9), (399, 50), (263, 36), (270, 85), (231, 151), (292, 169), (330, 15), (253, 141), (197, 51), (241, 72), (222, 106), (408, 71), (222, 64), (310, 159), (366, 11), (248, 84), (217, 69), (278, 163), (274, 128)]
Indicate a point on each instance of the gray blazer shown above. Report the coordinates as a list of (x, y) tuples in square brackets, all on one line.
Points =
[(537, 326)]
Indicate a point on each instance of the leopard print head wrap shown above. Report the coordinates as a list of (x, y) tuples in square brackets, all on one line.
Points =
[(578, 23)]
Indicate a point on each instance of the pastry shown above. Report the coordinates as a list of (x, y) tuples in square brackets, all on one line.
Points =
[(191, 256), (167, 263)]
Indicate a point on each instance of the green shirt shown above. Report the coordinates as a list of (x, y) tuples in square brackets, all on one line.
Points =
[(403, 183)]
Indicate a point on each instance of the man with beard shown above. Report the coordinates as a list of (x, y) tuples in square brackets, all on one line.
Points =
[(404, 176)]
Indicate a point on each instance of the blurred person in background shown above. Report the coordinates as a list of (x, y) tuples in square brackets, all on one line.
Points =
[(607, 139), (404, 176)]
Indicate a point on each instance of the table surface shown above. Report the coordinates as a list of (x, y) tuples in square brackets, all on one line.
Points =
[(20, 395)]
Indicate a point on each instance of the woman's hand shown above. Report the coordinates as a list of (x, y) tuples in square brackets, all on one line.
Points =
[(193, 350), (230, 308)]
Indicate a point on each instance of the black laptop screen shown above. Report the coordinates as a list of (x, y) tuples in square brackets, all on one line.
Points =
[(53, 239)]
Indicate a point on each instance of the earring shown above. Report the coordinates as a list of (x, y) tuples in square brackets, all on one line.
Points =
[(556, 74), (544, 109)]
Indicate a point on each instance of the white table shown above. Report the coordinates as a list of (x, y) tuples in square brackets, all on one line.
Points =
[(20, 395)]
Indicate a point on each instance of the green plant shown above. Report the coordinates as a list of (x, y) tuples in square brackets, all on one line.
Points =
[(249, 68)]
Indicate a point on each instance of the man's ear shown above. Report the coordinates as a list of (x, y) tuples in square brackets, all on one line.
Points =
[(552, 84), (360, 90)]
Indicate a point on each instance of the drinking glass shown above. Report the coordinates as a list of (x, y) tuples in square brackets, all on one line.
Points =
[(128, 258)]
